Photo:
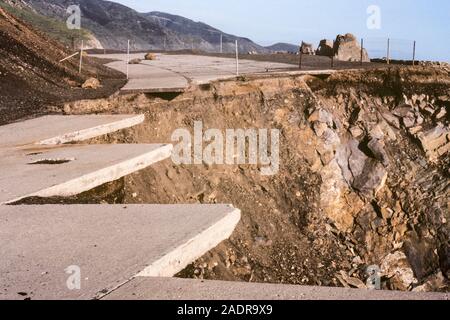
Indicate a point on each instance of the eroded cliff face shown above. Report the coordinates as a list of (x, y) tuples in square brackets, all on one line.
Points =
[(363, 179)]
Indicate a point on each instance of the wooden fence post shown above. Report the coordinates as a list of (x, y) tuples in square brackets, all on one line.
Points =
[(237, 59), (81, 55)]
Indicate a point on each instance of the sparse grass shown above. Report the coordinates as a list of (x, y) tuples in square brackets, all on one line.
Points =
[(53, 28)]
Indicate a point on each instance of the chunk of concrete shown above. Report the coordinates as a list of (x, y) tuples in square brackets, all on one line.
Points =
[(43, 171), (64, 129), (44, 247)]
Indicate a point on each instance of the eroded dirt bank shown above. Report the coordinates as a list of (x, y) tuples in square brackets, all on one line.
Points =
[(32, 76), (363, 180)]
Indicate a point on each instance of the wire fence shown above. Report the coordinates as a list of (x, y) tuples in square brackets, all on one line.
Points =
[(365, 53), (390, 49)]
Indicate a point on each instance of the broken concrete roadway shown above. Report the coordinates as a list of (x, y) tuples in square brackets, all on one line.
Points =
[(29, 172), (58, 129), (174, 73), (110, 243)]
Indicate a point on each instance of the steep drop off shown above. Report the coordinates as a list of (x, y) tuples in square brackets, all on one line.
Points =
[(363, 181)]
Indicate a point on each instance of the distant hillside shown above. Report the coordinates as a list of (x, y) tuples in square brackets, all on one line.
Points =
[(203, 36), (287, 47), (56, 29), (31, 76), (113, 24)]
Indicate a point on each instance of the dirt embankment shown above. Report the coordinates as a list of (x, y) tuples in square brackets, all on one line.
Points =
[(363, 180), (32, 78)]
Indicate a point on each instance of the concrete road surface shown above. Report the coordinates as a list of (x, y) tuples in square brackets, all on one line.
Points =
[(174, 73), (35, 162), (71, 169), (45, 248), (57, 129)]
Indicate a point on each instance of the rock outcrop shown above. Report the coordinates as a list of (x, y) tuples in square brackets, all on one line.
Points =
[(348, 48), (326, 48), (344, 48), (306, 48)]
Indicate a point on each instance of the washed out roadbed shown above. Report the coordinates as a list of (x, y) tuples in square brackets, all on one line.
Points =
[(362, 182)]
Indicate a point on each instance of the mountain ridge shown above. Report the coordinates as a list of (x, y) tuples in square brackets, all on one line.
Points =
[(283, 47), (112, 24)]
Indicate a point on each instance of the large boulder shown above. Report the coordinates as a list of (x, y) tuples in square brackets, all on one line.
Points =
[(307, 48), (326, 48), (150, 56), (348, 48), (345, 48), (135, 61), (397, 269), (91, 83), (435, 142)]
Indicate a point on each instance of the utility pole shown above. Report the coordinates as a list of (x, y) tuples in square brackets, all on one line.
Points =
[(300, 57), (81, 55), (362, 50), (388, 56), (128, 60), (237, 59)]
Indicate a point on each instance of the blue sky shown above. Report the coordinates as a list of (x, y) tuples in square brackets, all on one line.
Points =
[(270, 21)]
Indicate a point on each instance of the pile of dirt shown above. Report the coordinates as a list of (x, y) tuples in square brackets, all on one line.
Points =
[(32, 78), (357, 187)]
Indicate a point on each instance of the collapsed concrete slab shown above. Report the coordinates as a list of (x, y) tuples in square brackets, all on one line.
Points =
[(107, 244), (186, 289), (36, 162), (150, 79), (44, 171), (58, 129)]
